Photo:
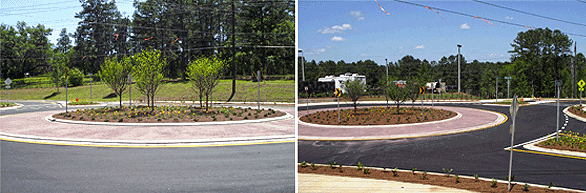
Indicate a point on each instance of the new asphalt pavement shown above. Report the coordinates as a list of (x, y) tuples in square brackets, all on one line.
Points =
[(30, 167), (476, 152)]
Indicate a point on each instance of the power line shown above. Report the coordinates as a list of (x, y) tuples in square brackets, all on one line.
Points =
[(468, 15), (523, 12)]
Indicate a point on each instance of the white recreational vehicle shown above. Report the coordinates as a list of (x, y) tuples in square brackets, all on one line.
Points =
[(339, 80)]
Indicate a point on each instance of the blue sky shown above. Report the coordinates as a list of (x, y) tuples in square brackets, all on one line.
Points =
[(359, 30), (55, 14)]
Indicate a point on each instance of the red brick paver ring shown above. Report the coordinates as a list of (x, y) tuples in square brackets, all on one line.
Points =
[(35, 126), (468, 119)]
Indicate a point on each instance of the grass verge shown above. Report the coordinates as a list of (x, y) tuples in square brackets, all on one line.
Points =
[(5, 104), (246, 91), (568, 140)]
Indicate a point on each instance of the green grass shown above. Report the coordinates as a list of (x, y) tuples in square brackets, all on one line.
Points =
[(271, 91), (508, 102)]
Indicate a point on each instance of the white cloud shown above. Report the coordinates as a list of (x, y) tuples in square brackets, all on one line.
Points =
[(401, 47), (365, 55), (465, 26), (338, 39), (357, 15), (509, 18), (420, 47), (335, 29), (316, 51)]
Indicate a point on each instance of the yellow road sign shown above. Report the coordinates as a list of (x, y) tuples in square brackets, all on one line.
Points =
[(421, 90), (338, 92), (581, 83)]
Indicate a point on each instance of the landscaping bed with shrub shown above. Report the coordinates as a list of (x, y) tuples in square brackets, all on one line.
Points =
[(420, 177), (378, 116), (167, 114), (5, 104), (568, 140)]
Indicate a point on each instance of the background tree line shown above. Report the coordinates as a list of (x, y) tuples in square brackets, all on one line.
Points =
[(539, 57), (253, 35)]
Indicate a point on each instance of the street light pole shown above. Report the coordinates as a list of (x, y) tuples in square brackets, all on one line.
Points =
[(302, 65), (459, 46)]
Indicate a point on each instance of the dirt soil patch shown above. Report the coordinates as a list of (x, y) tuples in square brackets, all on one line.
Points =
[(437, 180), (378, 116), (167, 114)]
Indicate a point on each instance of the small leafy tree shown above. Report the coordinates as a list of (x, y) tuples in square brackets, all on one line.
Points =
[(412, 87), (354, 90), (148, 73), (205, 73), (115, 74), (57, 74), (75, 77), (397, 94)]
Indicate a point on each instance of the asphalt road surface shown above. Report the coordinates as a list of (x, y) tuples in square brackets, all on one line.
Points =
[(52, 168), (478, 152)]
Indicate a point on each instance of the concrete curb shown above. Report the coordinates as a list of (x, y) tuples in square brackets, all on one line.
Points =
[(567, 112), (18, 105), (152, 143), (501, 118), (469, 177), (532, 146), (286, 116)]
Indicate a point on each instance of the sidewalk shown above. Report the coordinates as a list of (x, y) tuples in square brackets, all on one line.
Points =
[(327, 183)]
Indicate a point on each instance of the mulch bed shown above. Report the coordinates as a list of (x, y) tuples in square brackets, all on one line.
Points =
[(167, 114), (378, 116), (562, 147), (441, 180)]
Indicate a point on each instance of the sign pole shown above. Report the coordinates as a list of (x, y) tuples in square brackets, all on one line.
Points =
[(258, 80), (513, 110), (422, 107), (91, 79), (66, 94), (130, 89), (432, 96), (338, 110), (558, 83)]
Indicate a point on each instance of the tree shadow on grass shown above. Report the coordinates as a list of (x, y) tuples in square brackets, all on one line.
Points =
[(111, 95), (51, 95)]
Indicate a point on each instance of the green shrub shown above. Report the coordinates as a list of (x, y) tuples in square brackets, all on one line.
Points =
[(75, 77)]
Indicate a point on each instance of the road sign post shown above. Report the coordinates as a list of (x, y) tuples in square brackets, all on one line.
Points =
[(558, 83), (130, 89), (508, 85), (581, 84), (91, 79), (432, 95), (8, 82), (307, 100), (513, 110), (338, 93), (258, 81), (422, 92)]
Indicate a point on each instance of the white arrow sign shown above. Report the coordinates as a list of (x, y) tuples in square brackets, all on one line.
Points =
[(8, 81)]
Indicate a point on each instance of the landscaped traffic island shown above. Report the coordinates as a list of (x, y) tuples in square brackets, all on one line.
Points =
[(378, 116), (5, 104), (421, 177), (568, 140), (167, 114)]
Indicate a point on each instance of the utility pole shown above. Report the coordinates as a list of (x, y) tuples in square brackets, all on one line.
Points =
[(459, 46), (233, 56)]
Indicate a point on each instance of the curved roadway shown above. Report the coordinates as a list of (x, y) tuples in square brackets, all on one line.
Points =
[(477, 152), (53, 168)]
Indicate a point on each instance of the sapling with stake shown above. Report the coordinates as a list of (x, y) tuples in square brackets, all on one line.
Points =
[(394, 172), (447, 171), (413, 170), (526, 187)]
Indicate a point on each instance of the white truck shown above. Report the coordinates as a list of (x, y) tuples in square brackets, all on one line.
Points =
[(436, 87), (339, 80)]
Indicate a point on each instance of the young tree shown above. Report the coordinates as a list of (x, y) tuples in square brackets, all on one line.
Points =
[(57, 72), (115, 74), (205, 73), (148, 73), (397, 94), (412, 87), (354, 90)]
